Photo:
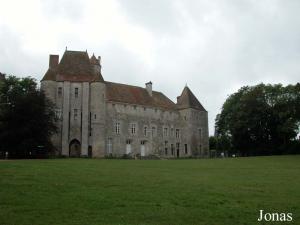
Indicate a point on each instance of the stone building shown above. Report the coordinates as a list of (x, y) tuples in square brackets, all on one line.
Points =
[(98, 118)]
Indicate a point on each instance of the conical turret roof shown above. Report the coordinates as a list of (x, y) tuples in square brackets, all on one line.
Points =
[(188, 100)]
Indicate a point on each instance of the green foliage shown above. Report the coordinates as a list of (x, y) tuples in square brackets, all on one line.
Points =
[(212, 143), (26, 118), (150, 192), (262, 119)]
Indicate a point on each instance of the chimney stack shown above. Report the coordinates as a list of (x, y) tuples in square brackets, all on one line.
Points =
[(53, 61), (149, 88)]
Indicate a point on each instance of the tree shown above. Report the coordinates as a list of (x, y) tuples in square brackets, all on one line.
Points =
[(261, 120), (27, 119), (212, 143)]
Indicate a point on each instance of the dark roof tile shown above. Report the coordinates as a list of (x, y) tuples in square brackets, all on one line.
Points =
[(137, 95), (188, 100)]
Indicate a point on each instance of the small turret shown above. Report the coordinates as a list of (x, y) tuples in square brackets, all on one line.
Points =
[(96, 63)]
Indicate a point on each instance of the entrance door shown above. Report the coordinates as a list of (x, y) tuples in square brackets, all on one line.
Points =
[(128, 147), (143, 152), (74, 148), (90, 152), (177, 150)]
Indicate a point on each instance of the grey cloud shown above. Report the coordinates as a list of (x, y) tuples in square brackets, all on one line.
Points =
[(213, 46)]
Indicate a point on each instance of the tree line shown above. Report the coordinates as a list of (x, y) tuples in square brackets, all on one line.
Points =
[(27, 119), (259, 120), (256, 120)]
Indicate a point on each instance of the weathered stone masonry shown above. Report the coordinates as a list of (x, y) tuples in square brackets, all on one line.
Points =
[(97, 118)]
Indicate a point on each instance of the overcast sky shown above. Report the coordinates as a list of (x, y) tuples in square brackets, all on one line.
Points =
[(214, 47)]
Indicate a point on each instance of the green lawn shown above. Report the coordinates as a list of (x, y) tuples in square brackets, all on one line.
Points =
[(135, 192)]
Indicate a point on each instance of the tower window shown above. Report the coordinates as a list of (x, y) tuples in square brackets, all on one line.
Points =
[(76, 92), (75, 114), (153, 131), (165, 132), (177, 133), (117, 128), (133, 128), (200, 133), (59, 92)]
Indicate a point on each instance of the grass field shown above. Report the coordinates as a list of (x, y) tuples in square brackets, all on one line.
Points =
[(170, 192)]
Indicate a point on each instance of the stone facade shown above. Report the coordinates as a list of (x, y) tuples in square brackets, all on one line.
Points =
[(97, 118)]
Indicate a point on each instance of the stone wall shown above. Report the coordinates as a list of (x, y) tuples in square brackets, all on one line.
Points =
[(85, 115)]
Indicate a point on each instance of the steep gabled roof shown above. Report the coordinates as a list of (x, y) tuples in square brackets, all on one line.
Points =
[(74, 66), (188, 100), (137, 95), (75, 63)]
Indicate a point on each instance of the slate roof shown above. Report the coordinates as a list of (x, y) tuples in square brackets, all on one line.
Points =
[(188, 100), (137, 95), (74, 66)]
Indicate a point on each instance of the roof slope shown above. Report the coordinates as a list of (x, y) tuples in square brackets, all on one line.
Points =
[(74, 66), (188, 100), (137, 95)]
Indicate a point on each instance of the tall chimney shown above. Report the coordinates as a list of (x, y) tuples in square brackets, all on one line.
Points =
[(53, 61), (149, 88)]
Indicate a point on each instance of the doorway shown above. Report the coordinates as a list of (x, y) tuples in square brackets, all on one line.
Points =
[(90, 152), (143, 151), (177, 149), (128, 147), (74, 148)]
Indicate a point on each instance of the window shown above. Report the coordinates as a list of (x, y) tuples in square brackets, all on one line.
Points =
[(90, 124), (59, 92), (117, 128), (172, 149), (128, 142), (177, 133), (166, 148), (58, 114), (109, 146), (153, 131), (185, 149), (145, 131), (75, 114), (165, 132), (95, 116), (133, 128), (76, 92)]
